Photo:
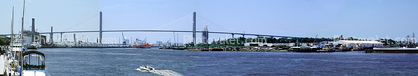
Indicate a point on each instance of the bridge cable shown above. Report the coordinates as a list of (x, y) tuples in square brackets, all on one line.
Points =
[(82, 22), (212, 22), (173, 22)]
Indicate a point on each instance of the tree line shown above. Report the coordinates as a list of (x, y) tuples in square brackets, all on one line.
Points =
[(4, 41)]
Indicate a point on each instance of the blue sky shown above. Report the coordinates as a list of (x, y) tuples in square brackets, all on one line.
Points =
[(302, 18)]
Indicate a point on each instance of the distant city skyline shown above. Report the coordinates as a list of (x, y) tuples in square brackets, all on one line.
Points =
[(301, 18)]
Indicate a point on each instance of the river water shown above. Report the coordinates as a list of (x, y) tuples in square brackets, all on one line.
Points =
[(124, 61)]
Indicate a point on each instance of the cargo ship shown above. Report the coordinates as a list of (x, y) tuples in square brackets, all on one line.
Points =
[(141, 44)]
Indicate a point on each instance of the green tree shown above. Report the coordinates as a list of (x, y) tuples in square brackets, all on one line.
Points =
[(341, 37), (241, 40), (7, 42), (270, 40), (200, 45), (350, 38), (1, 41)]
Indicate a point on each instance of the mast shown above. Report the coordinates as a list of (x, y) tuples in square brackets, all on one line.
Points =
[(21, 34), (23, 17), (13, 17), (145, 40), (315, 38)]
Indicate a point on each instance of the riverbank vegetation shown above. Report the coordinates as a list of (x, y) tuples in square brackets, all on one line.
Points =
[(4, 40), (239, 42)]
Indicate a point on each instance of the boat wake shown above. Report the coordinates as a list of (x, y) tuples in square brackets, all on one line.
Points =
[(162, 72)]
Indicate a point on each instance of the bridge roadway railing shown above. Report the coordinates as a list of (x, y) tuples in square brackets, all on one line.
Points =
[(169, 31)]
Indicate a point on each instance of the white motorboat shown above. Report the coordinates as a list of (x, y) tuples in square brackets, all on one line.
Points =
[(34, 45), (145, 68), (34, 64)]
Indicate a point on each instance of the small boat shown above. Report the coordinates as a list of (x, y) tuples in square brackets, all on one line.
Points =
[(145, 68), (305, 49), (34, 45), (327, 48), (179, 48)]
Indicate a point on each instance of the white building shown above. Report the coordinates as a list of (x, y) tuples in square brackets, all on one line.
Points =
[(268, 44), (353, 43)]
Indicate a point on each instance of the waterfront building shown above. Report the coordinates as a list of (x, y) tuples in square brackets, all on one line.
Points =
[(268, 44), (355, 43), (205, 36)]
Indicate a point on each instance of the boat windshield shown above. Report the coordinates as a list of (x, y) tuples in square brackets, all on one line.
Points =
[(34, 62)]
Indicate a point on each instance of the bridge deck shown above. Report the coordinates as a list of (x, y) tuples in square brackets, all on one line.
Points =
[(213, 32)]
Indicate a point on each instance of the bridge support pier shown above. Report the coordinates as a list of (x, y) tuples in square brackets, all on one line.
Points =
[(61, 38)]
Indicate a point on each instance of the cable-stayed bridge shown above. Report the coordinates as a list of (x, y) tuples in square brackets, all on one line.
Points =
[(194, 31)]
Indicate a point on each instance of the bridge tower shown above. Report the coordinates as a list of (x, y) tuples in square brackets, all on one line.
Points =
[(100, 30), (51, 36), (194, 29)]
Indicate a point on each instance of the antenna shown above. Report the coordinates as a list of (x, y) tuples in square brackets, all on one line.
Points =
[(315, 38)]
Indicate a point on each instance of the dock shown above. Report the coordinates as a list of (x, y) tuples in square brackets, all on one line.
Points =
[(2, 61), (395, 50)]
